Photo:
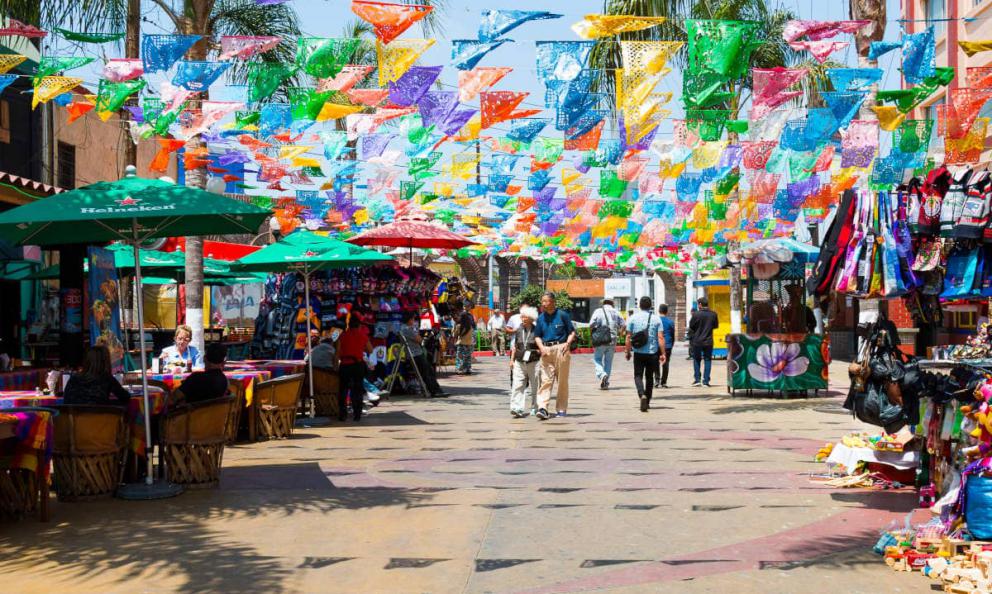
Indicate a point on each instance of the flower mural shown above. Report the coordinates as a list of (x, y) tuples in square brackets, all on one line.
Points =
[(777, 359)]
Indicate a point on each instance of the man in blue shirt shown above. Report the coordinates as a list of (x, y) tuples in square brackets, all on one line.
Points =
[(645, 340), (554, 334), (668, 330)]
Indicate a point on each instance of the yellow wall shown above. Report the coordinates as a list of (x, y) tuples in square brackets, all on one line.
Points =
[(719, 297)]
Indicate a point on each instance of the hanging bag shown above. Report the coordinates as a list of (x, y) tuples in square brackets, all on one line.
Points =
[(601, 334), (640, 338)]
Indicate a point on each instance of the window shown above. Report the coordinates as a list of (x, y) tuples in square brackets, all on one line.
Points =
[(67, 166), (936, 13)]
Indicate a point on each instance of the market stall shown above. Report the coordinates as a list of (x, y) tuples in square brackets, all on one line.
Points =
[(780, 351)]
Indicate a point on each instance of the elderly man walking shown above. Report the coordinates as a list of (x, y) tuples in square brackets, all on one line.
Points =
[(554, 336), (524, 357), (604, 325), (497, 332)]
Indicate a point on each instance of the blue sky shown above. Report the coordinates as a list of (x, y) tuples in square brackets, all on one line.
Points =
[(326, 18)]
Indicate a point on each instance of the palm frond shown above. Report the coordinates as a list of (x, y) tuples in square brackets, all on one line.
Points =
[(245, 17), (96, 16)]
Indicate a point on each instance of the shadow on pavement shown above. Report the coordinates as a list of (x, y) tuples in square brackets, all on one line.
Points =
[(180, 544)]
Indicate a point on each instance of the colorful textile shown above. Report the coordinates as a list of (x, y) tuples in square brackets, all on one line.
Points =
[(596, 26), (918, 56), (821, 50), (389, 20), (122, 69), (15, 27), (198, 76), (33, 434), (160, 52), (242, 47), (496, 23), (112, 95), (323, 57), (471, 82), (817, 30), (973, 47), (396, 58), (467, 53), (8, 61), (89, 37)]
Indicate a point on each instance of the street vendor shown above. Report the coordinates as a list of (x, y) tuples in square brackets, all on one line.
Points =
[(797, 317), (181, 355)]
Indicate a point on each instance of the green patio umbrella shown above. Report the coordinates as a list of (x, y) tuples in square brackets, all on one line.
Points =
[(132, 209), (307, 252)]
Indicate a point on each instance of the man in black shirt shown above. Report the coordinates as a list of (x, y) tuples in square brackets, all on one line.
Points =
[(701, 326), (211, 382)]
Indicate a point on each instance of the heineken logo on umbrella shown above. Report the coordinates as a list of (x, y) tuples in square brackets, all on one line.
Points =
[(127, 204)]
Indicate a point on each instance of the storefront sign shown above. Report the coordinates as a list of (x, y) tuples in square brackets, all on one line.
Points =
[(617, 287)]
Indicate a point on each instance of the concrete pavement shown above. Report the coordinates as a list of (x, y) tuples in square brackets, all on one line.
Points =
[(704, 493)]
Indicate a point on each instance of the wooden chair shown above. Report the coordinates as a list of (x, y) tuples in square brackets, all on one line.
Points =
[(88, 450), (236, 389), (193, 439), (275, 405), (325, 392)]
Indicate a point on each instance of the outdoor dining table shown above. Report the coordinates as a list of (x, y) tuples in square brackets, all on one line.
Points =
[(278, 368), (25, 460), (247, 377), (158, 398)]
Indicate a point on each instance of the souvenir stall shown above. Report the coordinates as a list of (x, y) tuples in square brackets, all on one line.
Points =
[(449, 290), (382, 294), (780, 352)]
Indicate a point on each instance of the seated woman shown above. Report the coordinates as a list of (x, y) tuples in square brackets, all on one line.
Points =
[(182, 355), (95, 384)]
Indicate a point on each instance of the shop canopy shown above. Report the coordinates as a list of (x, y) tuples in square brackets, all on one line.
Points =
[(412, 234), (308, 252)]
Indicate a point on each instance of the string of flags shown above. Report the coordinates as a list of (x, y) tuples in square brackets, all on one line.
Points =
[(355, 132)]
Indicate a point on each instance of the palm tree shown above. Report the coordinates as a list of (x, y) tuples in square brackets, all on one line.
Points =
[(874, 11)]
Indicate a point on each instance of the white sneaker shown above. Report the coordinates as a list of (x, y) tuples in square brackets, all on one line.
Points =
[(696, 384)]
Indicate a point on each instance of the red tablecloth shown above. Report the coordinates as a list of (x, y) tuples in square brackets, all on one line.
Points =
[(248, 378)]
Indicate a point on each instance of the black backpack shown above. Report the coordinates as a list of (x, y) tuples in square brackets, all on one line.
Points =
[(640, 338)]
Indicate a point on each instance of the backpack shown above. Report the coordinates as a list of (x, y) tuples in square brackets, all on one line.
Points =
[(953, 204), (640, 338), (601, 334)]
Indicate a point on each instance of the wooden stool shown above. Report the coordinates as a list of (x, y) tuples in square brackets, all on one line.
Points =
[(193, 439), (89, 449), (325, 392), (275, 405)]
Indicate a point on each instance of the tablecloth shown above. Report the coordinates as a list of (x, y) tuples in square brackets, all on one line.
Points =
[(28, 379), (247, 377), (850, 457), (33, 436), (276, 368), (20, 398), (135, 409)]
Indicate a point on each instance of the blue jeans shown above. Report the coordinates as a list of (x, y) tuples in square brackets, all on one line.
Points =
[(602, 358), (702, 354)]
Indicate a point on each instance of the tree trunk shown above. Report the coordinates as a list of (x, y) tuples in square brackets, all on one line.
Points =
[(132, 46), (874, 11), (198, 24)]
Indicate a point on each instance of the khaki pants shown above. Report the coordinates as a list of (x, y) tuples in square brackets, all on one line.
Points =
[(554, 366)]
